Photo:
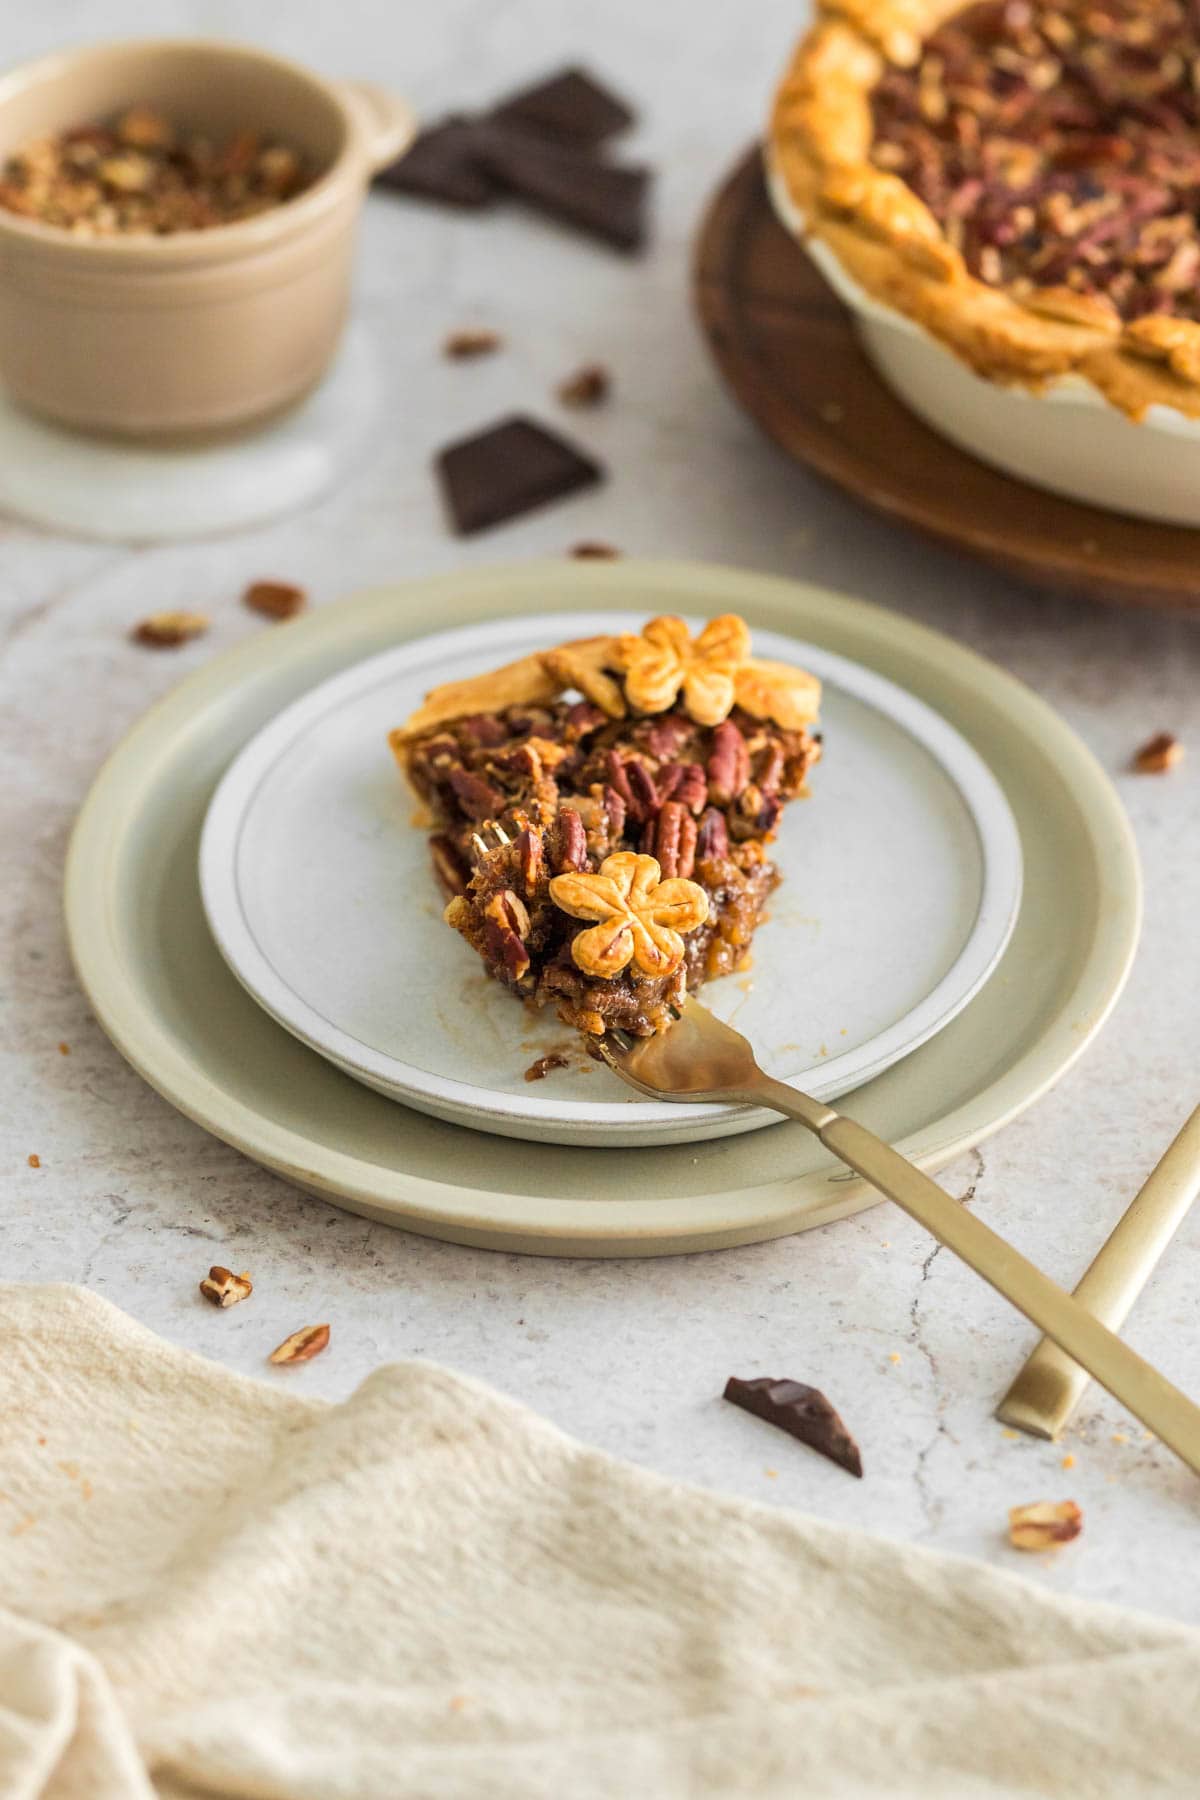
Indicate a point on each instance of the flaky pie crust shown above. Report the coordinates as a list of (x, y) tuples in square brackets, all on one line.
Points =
[(613, 673), (887, 239)]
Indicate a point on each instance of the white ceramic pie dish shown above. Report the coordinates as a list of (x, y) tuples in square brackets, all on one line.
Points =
[(1067, 438)]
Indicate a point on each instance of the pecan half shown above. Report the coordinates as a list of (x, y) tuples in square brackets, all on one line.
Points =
[(1044, 1524), (302, 1346), (712, 838), (685, 782), (615, 810), (221, 1287), (675, 840), (667, 734), (728, 764), (566, 842), (644, 797)]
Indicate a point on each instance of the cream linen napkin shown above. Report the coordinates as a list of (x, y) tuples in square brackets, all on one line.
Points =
[(213, 1586)]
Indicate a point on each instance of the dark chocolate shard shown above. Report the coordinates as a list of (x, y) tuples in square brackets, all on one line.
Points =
[(443, 164), (802, 1411), (606, 200), (507, 470), (572, 106)]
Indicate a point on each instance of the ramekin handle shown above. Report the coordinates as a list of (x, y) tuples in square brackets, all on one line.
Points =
[(387, 123)]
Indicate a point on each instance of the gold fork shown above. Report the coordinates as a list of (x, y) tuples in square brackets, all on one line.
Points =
[(698, 1058)]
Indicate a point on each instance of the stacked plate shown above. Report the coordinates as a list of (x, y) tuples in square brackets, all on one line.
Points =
[(253, 918)]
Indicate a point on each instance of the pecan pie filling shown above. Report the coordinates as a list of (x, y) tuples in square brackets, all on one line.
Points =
[(1057, 146), (603, 814)]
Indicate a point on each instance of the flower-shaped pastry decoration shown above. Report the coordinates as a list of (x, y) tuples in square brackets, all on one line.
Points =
[(640, 918), (666, 661)]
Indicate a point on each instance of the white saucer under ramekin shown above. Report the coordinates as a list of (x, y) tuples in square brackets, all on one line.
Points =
[(1067, 438)]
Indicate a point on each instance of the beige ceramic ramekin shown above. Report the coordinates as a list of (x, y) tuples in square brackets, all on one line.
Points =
[(204, 330)]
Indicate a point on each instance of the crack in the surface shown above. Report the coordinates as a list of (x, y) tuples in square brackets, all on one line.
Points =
[(930, 1505)]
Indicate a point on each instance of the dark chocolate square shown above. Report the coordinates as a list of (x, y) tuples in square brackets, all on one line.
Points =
[(443, 164), (571, 106), (507, 470), (606, 200)]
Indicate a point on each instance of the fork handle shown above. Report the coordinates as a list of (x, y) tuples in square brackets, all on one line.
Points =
[(1149, 1396)]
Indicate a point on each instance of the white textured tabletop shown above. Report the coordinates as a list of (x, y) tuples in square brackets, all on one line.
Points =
[(135, 1201)]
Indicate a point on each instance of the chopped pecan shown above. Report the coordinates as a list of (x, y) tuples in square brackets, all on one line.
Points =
[(506, 947), (167, 630), (530, 856), (712, 839), (221, 1287), (1160, 753), (508, 912), (567, 842), (644, 797), (275, 599), (675, 839), (768, 768), (1044, 1524), (615, 809), (483, 729), (588, 386), (448, 866), (618, 781), (667, 734), (472, 340), (477, 798), (302, 1346), (583, 718), (728, 764)]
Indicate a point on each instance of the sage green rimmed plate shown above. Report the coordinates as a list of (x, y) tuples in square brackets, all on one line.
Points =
[(164, 995)]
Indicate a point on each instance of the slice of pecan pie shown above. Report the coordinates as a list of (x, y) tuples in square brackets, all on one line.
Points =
[(603, 812), (1021, 177)]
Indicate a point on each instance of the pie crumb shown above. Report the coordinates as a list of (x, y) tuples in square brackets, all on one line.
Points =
[(35, 1161)]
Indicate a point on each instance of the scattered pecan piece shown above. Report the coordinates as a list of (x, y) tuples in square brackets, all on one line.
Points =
[(302, 1346), (222, 1287), (1161, 753), (166, 630), (472, 340), (276, 599), (728, 764), (591, 550), (1044, 1524), (588, 386)]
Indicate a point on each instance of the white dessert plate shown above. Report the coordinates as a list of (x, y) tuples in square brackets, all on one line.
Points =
[(160, 988), (902, 882)]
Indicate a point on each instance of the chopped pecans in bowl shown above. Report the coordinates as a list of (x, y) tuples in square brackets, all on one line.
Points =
[(141, 177)]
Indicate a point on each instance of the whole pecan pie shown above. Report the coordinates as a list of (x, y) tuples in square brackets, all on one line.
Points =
[(603, 811), (1022, 177)]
